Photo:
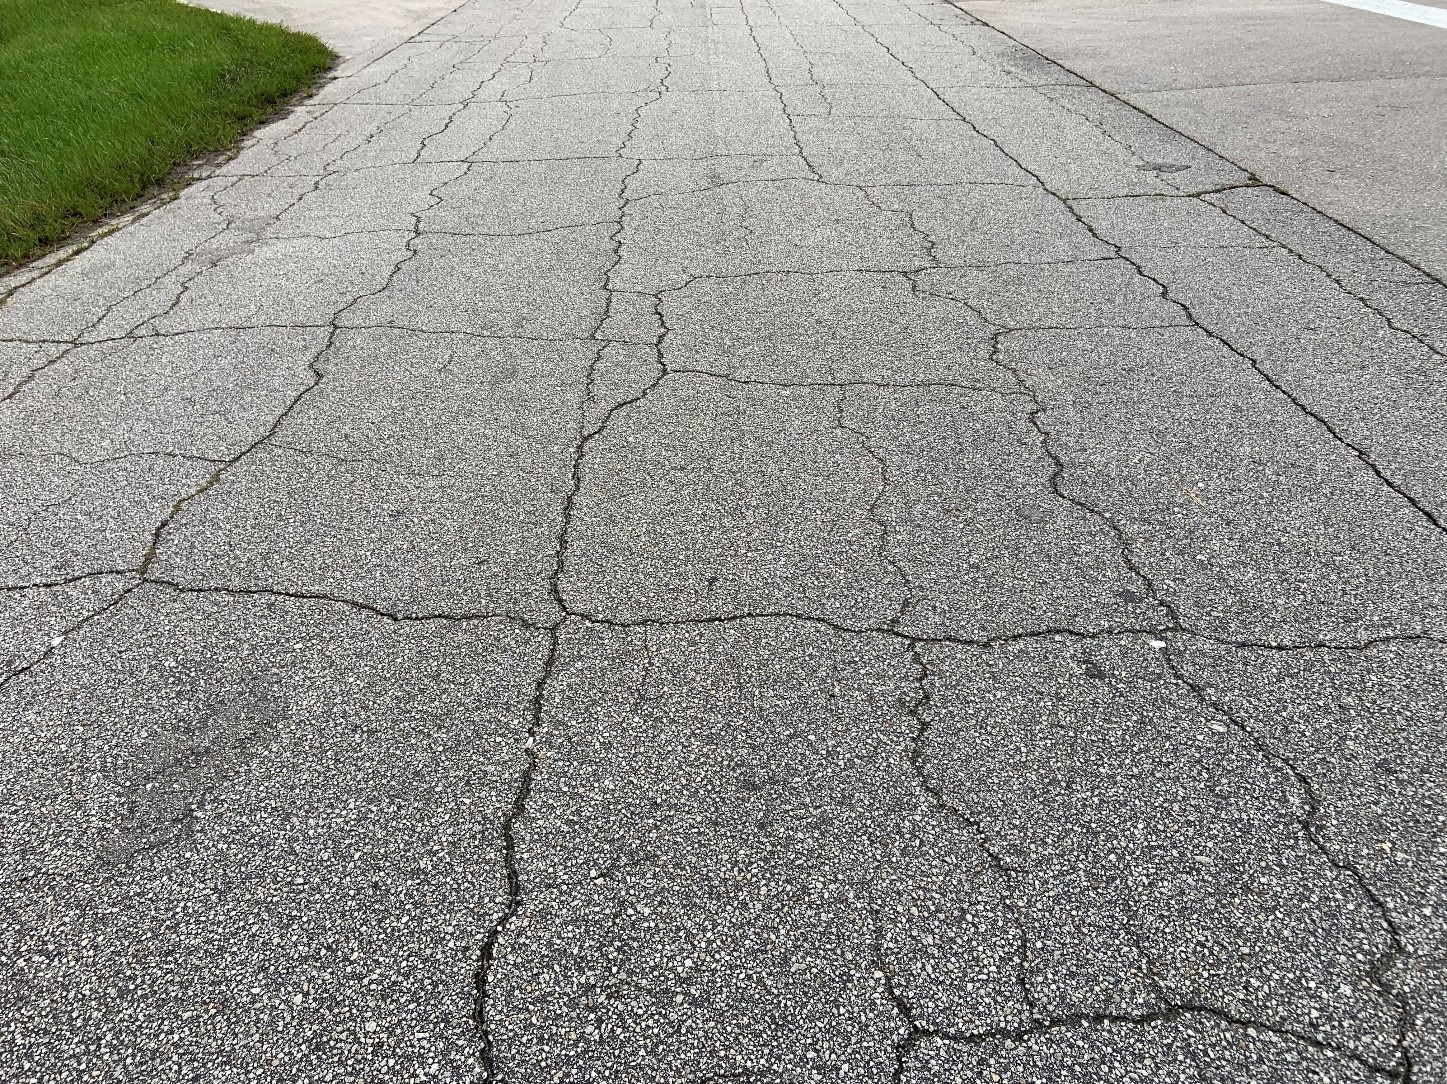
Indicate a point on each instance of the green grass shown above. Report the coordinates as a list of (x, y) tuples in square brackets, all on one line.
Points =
[(101, 99)]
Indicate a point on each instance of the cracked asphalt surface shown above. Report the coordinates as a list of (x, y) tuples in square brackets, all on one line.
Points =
[(723, 541)]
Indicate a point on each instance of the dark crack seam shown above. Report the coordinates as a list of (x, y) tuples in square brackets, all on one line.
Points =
[(160, 202), (586, 618), (315, 377), (1041, 1023), (1191, 139), (1397, 945), (882, 525), (1381, 968), (355, 604), (918, 710), (482, 979), (1260, 369), (57, 641), (1167, 1014), (1056, 480), (148, 557), (79, 340), (1330, 275), (1291, 397)]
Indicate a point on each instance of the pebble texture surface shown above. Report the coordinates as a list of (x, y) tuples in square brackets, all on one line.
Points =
[(723, 541)]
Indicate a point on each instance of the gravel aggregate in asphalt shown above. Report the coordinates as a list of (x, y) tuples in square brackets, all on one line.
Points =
[(741, 540)]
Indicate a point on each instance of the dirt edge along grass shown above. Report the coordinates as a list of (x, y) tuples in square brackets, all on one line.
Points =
[(102, 99)]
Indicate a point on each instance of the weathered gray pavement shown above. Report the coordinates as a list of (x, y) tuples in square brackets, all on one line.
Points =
[(724, 542)]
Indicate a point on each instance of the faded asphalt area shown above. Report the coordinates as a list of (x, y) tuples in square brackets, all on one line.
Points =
[(723, 542)]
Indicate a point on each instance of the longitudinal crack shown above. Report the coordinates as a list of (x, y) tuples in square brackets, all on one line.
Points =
[(1310, 818)]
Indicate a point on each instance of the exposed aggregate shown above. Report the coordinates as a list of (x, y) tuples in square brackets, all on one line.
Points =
[(723, 540)]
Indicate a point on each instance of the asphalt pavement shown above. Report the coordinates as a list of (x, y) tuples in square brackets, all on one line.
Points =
[(723, 542), (1338, 101)]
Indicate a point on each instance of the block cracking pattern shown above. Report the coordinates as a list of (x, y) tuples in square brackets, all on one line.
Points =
[(739, 393)]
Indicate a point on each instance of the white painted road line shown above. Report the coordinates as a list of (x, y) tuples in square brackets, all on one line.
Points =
[(1417, 13)]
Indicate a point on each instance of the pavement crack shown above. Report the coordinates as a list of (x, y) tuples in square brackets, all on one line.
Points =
[(1261, 370), (1235, 187), (778, 92), (882, 525), (589, 433), (1316, 416), (66, 581), (314, 379), (919, 711), (1310, 820), (80, 339), (1164, 1015), (915, 1031), (58, 640), (879, 385), (1043, 633), (1056, 481), (1335, 279), (396, 615), (487, 955), (315, 375), (1058, 100)]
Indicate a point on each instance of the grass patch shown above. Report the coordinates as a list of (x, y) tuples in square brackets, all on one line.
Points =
[(101, 99)]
